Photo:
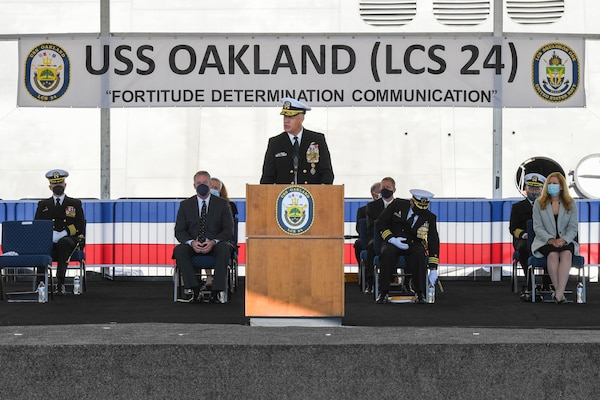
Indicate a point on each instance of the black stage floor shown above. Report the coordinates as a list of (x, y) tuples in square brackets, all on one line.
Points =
[(463, 304)]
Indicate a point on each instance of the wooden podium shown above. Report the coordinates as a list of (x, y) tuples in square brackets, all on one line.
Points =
[(295, 254)]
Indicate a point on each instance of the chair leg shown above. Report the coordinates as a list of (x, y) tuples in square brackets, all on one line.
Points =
[(46, 282), (228, 286), (50, 286), (530, 272), (2, 285), (515, 277), (376, 282), (230, 281), (584, 282), (83, 275), (362, 280), (175, 284), (235, 275)]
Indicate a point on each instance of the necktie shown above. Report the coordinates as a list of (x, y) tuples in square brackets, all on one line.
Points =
[(296, 146), (411, 220), (57, 202), (202, 230)]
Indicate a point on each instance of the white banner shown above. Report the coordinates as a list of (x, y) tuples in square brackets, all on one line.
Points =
[(322, 70)]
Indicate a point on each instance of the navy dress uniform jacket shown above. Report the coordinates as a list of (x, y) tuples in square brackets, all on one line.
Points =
[(520, 213), (374, 209), (278, 165), (68, 216), (393, 222)]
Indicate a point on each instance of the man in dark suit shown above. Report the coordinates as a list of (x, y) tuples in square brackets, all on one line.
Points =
[(374, 209), (297, 156), (204, 225), (69, 222), (409, 228), (361, 213), (520, 213)]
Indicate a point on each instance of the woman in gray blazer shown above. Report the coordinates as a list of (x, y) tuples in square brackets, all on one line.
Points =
[(555, 222)]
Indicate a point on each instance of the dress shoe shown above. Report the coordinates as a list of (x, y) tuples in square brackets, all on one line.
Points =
[(60, 289), (189, 296), (369, 285), (218, 297), (562, 300), (382, 298), (525, 295), (420, 298), (406, 289)]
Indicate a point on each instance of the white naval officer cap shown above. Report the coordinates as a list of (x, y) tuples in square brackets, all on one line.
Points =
[(535, 179), (421, 198), (293, 107), (56, 175)]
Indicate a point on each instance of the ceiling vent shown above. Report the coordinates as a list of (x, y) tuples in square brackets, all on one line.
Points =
[(461, 13), (535, 11), (388, 12)]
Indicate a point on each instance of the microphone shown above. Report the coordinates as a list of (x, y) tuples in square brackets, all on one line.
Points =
[(295, 169)]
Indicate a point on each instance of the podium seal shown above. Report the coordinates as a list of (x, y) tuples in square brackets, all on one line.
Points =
[(295, 210)]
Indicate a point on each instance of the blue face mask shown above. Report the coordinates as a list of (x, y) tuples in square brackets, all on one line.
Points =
[(214, 192), (202, 189), (533, 196), (553, 189)]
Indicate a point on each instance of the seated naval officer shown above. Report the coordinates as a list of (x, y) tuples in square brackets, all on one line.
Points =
[(409, 228), (69, 222)]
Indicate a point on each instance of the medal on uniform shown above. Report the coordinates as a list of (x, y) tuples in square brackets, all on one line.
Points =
[(423, 231), (70, 212), (312, 156)]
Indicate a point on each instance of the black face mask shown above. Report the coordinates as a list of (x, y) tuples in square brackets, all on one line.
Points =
[(386, 193), (418, 210), (58, 190), (202, 189)]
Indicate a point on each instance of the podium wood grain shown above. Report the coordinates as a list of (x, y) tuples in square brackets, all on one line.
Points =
[(294, 275)]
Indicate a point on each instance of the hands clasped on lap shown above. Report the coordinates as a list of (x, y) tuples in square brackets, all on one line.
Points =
[(559, 242), (203, 247)]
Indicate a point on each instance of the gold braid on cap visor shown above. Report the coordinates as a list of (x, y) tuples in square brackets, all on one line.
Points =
[(423, 204)]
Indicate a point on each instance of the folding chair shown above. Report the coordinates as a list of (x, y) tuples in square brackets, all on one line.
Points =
[(31, 244), (204, 266), (536, 263)]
